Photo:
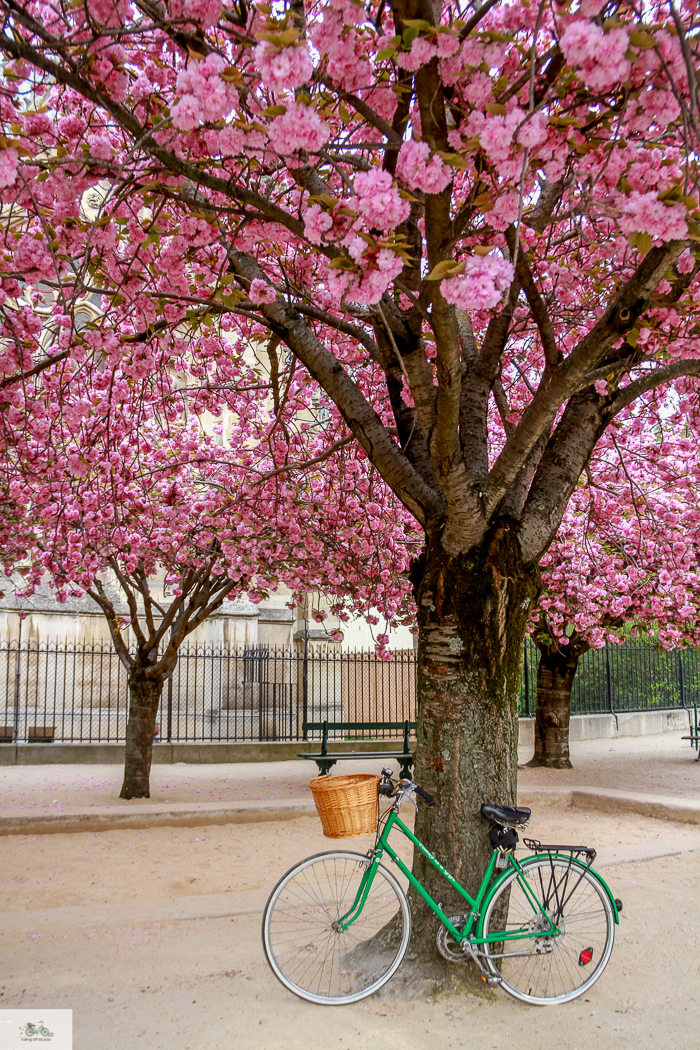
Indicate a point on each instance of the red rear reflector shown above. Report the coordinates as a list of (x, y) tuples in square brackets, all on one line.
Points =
[(585, 957)]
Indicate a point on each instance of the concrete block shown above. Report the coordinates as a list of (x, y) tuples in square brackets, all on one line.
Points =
[(8, 754)]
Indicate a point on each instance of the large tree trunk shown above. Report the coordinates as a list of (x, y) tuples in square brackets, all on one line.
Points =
[(144, 697), (472, 615), (555, 680)]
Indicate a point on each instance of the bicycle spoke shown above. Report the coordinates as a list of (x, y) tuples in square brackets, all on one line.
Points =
[(574, 900), (307, 950)]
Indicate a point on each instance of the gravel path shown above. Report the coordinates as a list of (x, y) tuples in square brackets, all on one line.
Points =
[(152, 939), (659, 765)]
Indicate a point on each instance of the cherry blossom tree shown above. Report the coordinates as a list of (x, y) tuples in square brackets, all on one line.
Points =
[(442, 214), (125, 484), (625, 561)]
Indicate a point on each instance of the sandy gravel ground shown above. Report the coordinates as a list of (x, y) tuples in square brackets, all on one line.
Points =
[(152, 938), (658, 765)]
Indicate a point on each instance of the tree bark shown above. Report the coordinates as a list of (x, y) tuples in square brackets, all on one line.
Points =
[(555, 680), (144, 697), (472, 615)]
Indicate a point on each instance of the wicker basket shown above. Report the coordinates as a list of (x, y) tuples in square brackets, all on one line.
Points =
[(347, 805)]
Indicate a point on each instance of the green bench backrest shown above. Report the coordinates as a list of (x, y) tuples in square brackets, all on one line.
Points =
[(357, 725)]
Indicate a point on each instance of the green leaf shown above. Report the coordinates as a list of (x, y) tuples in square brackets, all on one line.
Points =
[(641, 241), (341, 263), (446, 268), (420, 25), (455, 160), (641, 39), (386, 52)]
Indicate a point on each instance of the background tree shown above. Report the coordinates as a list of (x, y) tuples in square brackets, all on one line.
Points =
[(441, 214), (625, 561), (166, 515)]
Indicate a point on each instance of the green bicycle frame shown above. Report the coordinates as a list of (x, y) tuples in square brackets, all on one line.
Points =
[(475, 903)]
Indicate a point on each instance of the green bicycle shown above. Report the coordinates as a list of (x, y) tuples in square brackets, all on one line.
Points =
[(337, 926)]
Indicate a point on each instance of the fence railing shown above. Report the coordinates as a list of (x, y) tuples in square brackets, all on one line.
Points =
[(621, 678), (80, 692)]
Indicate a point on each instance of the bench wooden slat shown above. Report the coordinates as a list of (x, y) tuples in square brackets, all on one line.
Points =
[(325, 759), (357, 725)]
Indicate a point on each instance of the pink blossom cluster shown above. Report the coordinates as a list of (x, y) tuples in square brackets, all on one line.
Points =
[(419, 170), (482, 285), (8, 166), (423, 51), (301, 127), (378, 200), (599, 55), (377, 269), (283, 68), (338, 36), (206, 12), (317, 222), (261, 292), (204, 95), (627, 555), (645, 213)]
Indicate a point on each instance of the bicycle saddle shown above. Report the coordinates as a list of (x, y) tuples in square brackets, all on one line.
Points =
[(506, 814)]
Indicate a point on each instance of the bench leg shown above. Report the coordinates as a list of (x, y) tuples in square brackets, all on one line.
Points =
[(406, 764), (324, 764)]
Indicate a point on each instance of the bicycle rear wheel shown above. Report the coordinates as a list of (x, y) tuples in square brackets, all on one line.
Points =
[(548, 970), (307, 951)]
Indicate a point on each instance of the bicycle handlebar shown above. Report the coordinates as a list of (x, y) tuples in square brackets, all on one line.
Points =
[(388, 788), (424, 795)]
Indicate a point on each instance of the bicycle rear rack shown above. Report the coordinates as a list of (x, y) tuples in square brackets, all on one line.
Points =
[(540, 847)]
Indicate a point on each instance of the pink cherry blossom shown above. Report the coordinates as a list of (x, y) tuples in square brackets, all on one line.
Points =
[(420, 54), (33, 260), (206, 12), (260, 292), (283, 68), (316, 223), (482, 285), (600, 56), (417, 171), (8, 166), (299, 128), (379, 201), (643, 212)]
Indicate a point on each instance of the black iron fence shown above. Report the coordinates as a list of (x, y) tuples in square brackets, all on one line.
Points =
[(621, 678), (80, 692)]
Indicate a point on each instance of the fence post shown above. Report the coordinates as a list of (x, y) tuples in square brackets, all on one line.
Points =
[(681, 677), (527, 679), (170, 707), (17, 682), (305, 681), (609, 683)]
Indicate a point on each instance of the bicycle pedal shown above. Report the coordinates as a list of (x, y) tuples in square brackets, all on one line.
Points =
[(491, 980)]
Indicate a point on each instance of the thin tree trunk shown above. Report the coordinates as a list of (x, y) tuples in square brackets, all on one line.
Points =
[(472, 615), (555, 681), (144, 697)]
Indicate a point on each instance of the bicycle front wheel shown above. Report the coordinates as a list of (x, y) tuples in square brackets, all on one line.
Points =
[(548, 970), (302, 936)]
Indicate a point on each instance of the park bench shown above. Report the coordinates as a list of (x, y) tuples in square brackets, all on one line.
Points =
[(694, 736), (325, 759)]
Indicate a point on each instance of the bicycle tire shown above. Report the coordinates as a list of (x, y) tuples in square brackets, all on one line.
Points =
[(551, 971), (318, 962)]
